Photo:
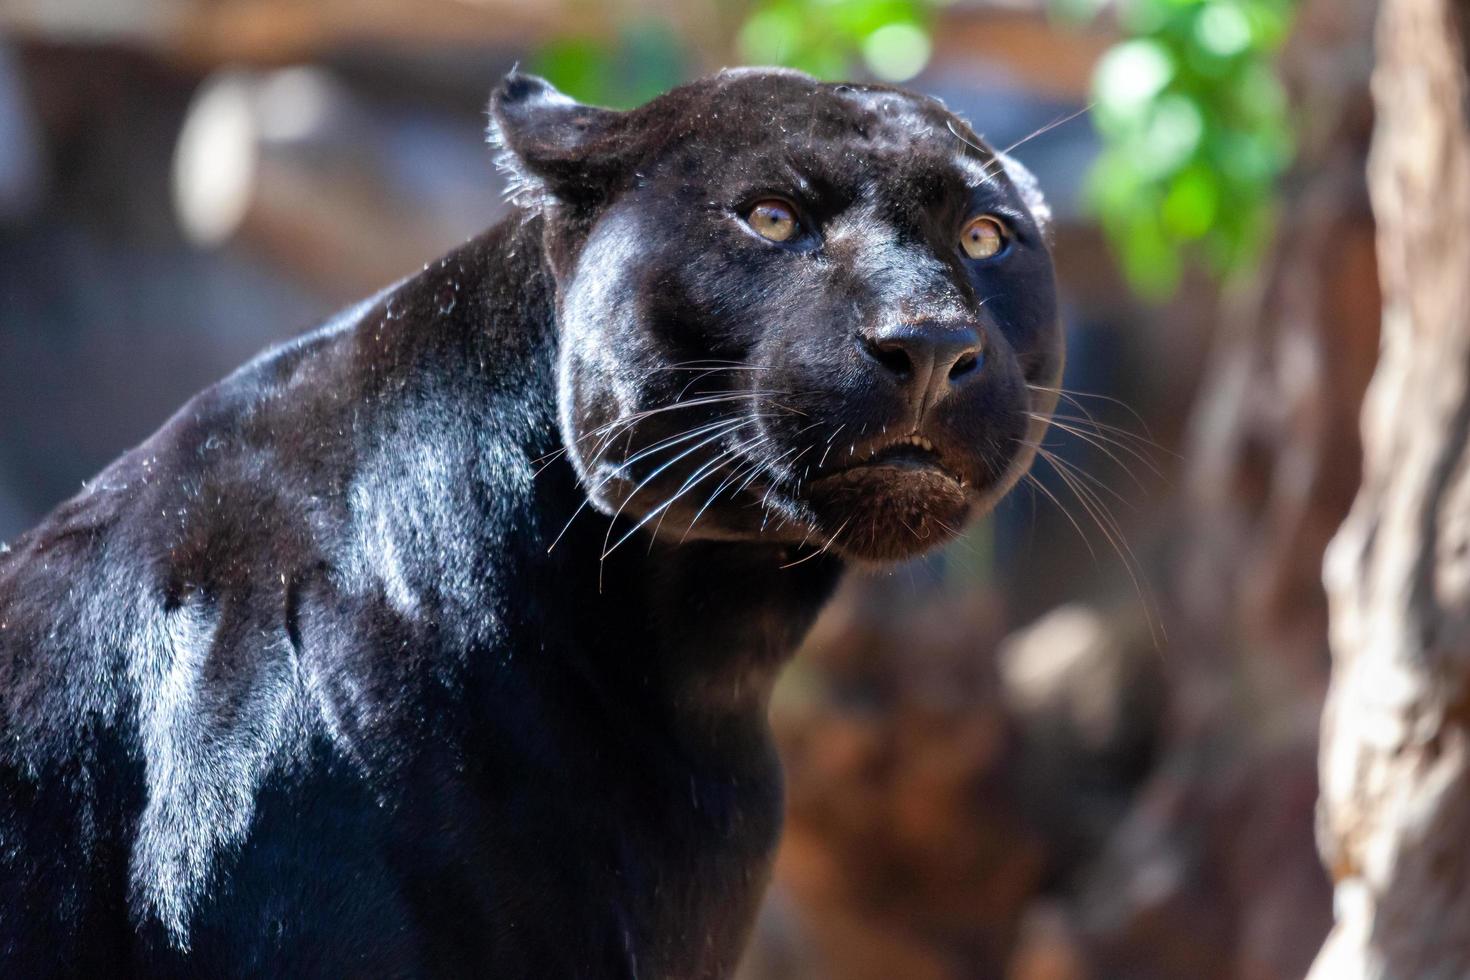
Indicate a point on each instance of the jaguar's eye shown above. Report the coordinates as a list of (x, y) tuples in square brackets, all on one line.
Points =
[(773, 219), (983, 237)]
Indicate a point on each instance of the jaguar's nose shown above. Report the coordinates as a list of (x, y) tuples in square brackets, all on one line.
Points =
[(927, 358)]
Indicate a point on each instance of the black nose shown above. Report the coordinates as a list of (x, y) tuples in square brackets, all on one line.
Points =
[(928, 358)]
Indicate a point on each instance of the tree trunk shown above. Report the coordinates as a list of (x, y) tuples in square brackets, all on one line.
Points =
[(1394, 815)]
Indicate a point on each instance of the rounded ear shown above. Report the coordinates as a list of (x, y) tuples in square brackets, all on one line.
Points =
[(1030, 190), (553, 148)]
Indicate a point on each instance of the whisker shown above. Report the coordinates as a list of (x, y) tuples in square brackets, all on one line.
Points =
[(996, 155), (804, 428), (1072, 395), (718, 461), (960, 539), (700, 363), (822, 550), (835, 432), (721, 425), (1086, 541), (949, 124), (1057, 459), (753, 475), (1107, 523), (549, 458), (734, 475), (677, 439), (1101, 442), (703, 373), (710, 398), (659, 470), (694, 478), (789, 477), (1115, 431), (766, 466), (1043, 130), (1087, 497), (625, 425), (599, 450)]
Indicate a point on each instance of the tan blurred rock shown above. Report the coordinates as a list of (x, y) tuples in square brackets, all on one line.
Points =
[(1048, 947)]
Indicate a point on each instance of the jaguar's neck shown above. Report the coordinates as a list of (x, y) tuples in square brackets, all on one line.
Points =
[(703, 625), (714, 620)]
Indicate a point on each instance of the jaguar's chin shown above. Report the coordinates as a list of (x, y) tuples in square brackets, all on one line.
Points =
[(891, 509)]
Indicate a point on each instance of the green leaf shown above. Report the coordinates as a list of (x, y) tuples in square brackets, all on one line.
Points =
[(1130, 76), (897, 52), (1195, 135)]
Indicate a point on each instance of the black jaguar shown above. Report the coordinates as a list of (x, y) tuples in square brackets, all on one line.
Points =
[(438, 642)]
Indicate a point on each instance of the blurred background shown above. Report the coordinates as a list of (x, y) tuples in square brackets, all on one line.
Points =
[(1080, 743)]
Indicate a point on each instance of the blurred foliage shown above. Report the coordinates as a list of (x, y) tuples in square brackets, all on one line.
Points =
[(1195, 133), (837, 39), (832, 39), (645, 59), (1191, 114)]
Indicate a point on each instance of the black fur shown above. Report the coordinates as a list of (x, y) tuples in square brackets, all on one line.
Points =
[(385, 657)]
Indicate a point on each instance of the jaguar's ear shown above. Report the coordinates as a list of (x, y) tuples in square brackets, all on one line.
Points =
[(553, 148), (1030, 190)]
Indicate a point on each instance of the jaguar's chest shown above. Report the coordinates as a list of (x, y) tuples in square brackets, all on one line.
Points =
[(657, 853)]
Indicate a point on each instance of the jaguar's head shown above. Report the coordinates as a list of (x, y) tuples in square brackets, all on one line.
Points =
[(803, 312)]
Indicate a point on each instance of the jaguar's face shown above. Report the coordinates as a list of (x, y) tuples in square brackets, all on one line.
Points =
[(809, 313)]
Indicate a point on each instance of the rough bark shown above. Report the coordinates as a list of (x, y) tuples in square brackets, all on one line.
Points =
[(1395, 763)]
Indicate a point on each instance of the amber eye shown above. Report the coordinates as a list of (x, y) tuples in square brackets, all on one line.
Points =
[(773, 219), (983, 237)]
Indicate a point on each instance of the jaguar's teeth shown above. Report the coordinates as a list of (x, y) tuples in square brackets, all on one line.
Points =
[(918, 442)]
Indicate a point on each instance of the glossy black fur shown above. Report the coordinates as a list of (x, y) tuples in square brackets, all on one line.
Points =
[(301, 686)]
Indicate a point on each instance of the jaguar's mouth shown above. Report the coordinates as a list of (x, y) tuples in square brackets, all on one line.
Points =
[(893, 500), (911, 452)]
